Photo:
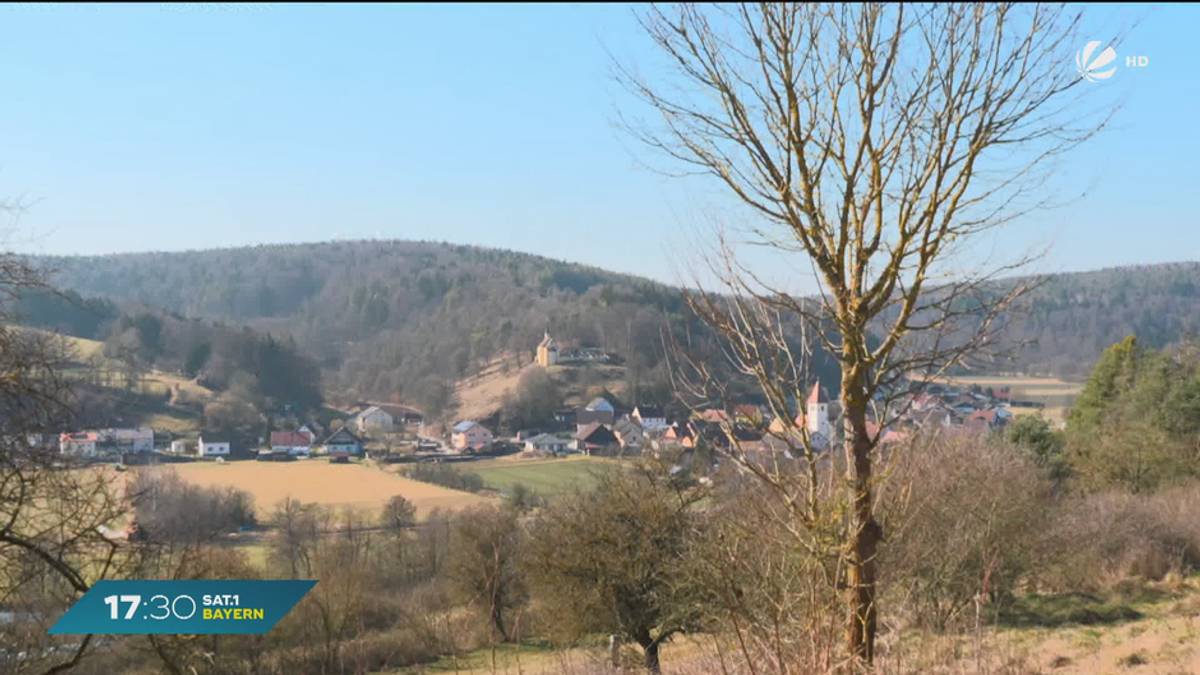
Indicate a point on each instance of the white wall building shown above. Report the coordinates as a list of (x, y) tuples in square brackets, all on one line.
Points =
[(130, 440), (213, 446), (374, 419)]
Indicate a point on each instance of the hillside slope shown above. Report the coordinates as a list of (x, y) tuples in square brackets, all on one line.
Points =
[(406, 319), (393, 318)]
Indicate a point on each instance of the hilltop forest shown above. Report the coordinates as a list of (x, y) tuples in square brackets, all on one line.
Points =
[(407, 319), (382, 319)]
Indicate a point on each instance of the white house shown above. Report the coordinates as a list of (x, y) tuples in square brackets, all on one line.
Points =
[(130, 440), (374, 419), (649, 417), (546, 443), (183, 447), (213, 446)]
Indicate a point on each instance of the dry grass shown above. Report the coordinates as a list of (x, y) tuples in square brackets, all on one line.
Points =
[(1014, 381), (84, 348), (479, 396), (177, 425), (160, 383), (1051, 413), (1165, 641), (684, 655), (318, 481)]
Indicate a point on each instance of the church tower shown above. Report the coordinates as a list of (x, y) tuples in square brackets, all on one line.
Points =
[(817, 415), (547, 351)]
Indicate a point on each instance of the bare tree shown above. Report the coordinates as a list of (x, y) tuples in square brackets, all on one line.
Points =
[(53, 541), (873, 142), (485, 544)]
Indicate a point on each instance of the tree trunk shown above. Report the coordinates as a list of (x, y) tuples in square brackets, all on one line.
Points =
[(865, 533), (652, 657), (498, 623)]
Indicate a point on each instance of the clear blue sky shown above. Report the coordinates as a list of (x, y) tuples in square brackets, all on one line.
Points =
[(135, 128)]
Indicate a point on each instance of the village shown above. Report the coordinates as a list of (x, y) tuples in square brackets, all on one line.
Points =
[(601, 428)]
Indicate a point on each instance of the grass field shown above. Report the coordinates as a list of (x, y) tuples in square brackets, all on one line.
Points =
[(546, 477), (84, 348), (1056, 395), (318, 481)]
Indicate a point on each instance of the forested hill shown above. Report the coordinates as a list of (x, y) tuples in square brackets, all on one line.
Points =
[(387, 317), (392, 317), (1074, 317)]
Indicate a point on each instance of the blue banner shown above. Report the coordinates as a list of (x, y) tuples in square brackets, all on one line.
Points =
[(156, 607)]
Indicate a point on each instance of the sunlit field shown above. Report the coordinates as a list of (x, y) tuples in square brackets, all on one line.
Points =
[(318, 481), (546, 477)]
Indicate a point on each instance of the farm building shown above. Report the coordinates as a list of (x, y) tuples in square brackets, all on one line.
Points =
[(373, 419), (291, 442), (629, 433), (213, 445), (599, 440), (107, 441), (546, 443), (649, 417), (342, 445), (183, 446), (128, 440)]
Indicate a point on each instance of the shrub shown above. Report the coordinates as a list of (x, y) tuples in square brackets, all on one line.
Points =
[(1105, 538), (446, 476), (963, 516), (169, 509)]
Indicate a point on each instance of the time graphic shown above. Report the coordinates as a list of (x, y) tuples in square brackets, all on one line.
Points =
[(159, 607), (216, 607)]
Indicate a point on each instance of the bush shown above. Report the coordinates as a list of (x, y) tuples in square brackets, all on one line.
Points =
[(1103, 539), (169, 509), (962, 516), (446, 476)]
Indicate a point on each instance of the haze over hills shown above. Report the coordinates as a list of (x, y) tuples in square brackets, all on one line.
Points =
[(401, 318)]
